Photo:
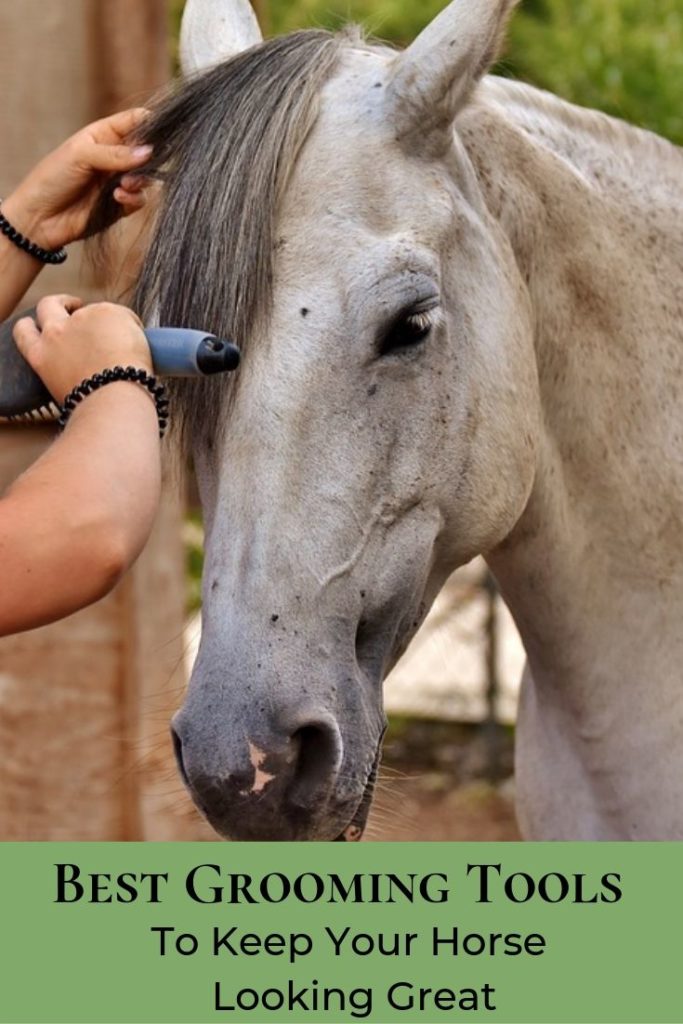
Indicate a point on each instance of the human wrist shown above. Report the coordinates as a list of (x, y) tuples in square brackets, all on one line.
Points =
[(24, 216), (107, 380), (119, 401)]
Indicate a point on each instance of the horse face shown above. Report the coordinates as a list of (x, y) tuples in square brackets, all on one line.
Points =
[(381, 435)]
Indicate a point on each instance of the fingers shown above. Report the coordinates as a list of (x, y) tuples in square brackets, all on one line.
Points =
[(116, 158), (105, 148), (55, 308), (26, 336), (70, 349), (110, 130), (135, 182), (130, 202), (130, 193), (99, 310)]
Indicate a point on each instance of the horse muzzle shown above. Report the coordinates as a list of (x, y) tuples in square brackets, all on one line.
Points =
[(287, 785)]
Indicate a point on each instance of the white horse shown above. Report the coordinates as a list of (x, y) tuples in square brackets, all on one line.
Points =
[(473, 344)]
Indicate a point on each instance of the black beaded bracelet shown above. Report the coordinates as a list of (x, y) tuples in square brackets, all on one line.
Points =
[(98, 380), (53, 256)]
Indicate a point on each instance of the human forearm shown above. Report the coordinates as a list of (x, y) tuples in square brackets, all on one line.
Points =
[(18, 270), (75, 521)]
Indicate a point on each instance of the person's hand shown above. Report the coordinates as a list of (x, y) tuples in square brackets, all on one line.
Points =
[(52, 204), (71, 342)]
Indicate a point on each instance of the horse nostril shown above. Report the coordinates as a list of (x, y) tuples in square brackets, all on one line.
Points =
[(178, 751), (318, 757)]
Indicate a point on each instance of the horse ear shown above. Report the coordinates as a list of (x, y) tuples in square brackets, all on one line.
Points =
[(214, 30), (432, 79)]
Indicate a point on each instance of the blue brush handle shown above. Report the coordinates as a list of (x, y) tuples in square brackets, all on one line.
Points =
[(181, 352), (176, 352)]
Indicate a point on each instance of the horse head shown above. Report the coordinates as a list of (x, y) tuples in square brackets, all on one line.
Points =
[(322, 209)]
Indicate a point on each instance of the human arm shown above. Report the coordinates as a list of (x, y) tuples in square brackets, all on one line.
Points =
[(52, 204), (73, 523)]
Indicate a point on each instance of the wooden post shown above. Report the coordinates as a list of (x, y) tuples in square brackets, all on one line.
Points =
[(85, 704), (131, 41)]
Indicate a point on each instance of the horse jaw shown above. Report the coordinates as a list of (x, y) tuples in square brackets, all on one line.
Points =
[(433, 79), (215, 30)]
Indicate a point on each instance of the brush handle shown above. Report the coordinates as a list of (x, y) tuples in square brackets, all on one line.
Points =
[(176, 352)]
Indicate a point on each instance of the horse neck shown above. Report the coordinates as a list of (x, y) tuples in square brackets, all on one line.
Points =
[(592, 211)]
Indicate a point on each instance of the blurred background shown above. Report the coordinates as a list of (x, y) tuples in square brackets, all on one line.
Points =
[(85, 704)]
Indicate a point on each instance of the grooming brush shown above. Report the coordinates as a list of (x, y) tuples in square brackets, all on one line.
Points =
[(176, 352)]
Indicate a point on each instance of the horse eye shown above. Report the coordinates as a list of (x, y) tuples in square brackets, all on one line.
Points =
[(407, 331)]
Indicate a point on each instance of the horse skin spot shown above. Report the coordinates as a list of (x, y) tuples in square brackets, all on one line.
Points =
[(274, 618), (214, 586), (372, 390), (261, 777), (305, 312)]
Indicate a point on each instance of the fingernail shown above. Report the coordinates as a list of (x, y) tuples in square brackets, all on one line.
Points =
[(142, 151)]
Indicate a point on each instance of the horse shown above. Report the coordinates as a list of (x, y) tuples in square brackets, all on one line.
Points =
[(460, 305)]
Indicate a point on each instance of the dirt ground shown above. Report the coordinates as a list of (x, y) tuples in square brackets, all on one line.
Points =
[(443, 781)]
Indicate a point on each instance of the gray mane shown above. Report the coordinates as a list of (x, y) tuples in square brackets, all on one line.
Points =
[(225, 144)]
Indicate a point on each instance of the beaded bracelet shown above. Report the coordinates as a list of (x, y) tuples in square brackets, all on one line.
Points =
[(53, 256), (98, 380)]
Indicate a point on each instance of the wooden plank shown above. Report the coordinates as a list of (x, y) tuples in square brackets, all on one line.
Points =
[(132, 46)]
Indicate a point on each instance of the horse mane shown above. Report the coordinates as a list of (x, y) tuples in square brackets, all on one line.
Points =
[(225, 143)]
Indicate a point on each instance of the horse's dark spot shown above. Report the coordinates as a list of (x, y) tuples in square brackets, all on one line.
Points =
[(305, 312), (362, 593), (214, 586), (590, 301), (377, 85), (274, 618), (372, 390)]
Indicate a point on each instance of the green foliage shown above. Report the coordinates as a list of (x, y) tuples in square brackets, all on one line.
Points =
[(397, 21), (622, 56), (193, 537)]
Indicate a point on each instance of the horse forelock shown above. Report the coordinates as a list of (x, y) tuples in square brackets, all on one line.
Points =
[(225, 145)]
